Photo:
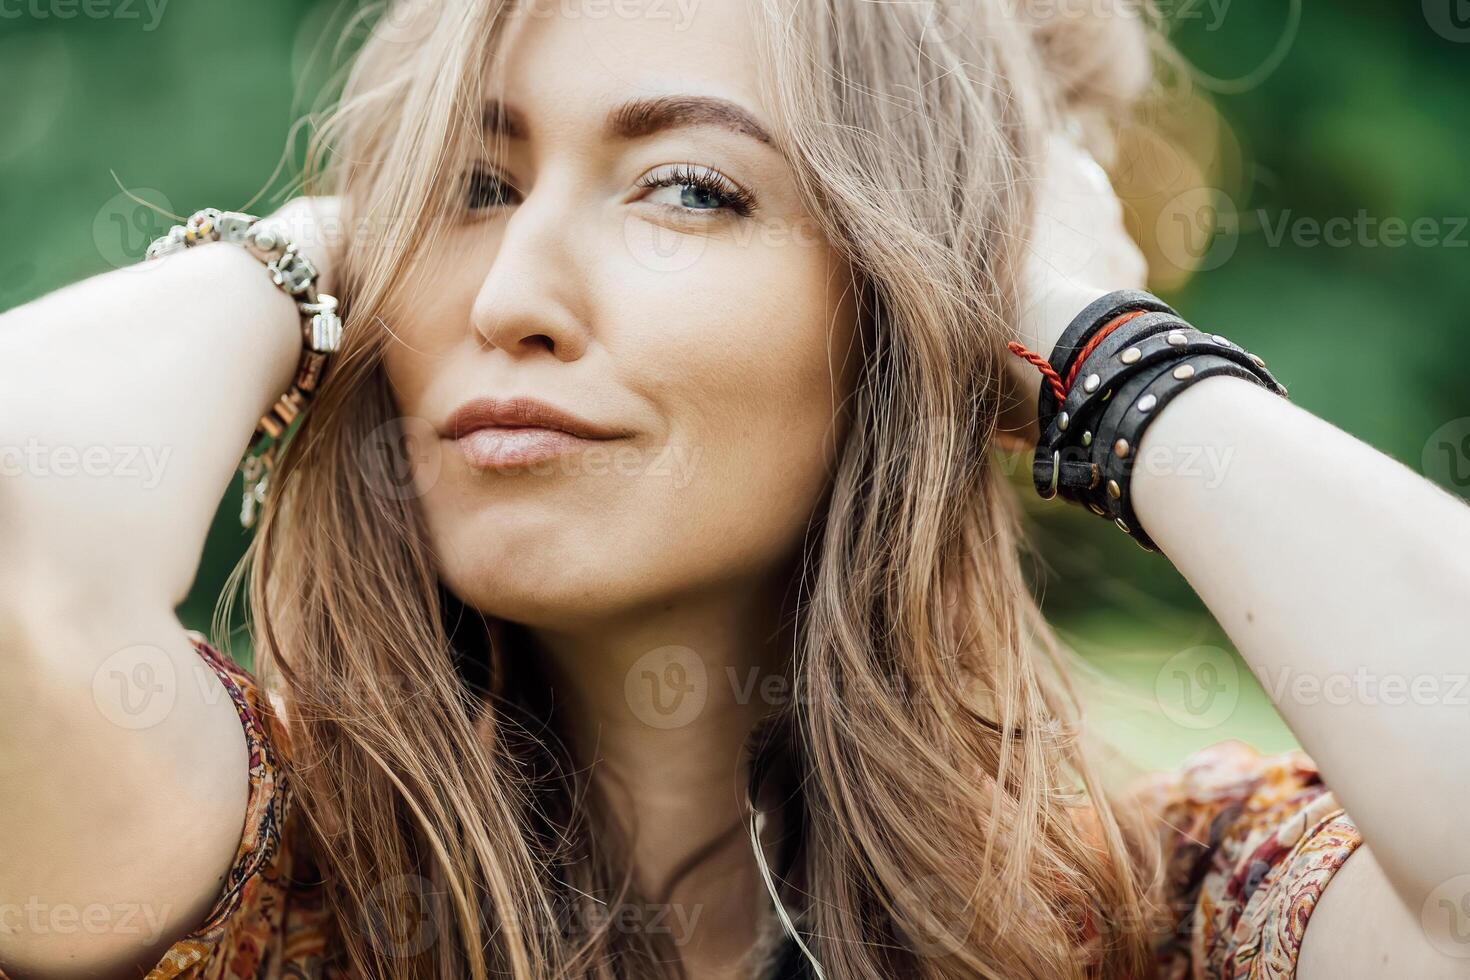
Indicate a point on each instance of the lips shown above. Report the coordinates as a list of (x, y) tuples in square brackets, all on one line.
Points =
[(522, 413), (497, 433)]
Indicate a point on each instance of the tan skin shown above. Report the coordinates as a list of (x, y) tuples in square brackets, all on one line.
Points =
[(733, 365), (724, 364)]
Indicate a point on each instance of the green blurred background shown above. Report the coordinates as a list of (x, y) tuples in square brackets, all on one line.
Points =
[(1335, 122)]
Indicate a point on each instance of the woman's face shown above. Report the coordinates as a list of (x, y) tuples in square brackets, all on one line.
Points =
[(704, 326)]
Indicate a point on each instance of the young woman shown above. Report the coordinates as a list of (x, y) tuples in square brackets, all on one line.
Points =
[(639, 596)]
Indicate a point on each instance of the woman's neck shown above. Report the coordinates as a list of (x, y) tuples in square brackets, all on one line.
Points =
[(659, 710)]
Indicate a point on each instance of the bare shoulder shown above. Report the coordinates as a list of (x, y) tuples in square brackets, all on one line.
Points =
[(1362, 930), (128, 777)]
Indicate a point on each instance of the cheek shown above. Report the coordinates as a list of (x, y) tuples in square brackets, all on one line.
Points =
[(746, 364), (418, 345)]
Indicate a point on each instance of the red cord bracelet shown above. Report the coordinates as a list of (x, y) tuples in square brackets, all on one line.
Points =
[(1059, 388)]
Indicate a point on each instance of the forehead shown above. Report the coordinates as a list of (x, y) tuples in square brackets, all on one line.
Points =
[(566, 62)]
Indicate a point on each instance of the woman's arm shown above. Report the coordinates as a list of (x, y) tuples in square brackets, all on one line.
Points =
[(126, 401), (1343, 578)]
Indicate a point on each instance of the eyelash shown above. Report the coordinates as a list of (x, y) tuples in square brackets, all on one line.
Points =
[(735, 199)]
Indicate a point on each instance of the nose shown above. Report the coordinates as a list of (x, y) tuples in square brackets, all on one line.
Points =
[(527, 304)]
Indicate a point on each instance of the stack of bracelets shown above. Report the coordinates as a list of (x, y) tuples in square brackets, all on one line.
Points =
[(1113, 370), (321, 328)]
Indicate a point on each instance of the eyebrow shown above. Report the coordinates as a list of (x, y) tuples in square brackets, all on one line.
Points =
[(642, 117)]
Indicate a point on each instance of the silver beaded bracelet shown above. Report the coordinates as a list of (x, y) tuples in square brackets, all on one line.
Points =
[(321, 329)]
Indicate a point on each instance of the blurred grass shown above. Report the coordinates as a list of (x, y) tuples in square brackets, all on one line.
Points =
[(1361, 115)]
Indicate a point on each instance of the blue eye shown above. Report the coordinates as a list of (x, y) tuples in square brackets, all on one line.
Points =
[(702, 190)]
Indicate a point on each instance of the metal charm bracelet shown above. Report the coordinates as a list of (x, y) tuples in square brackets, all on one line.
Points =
[(321, 329)]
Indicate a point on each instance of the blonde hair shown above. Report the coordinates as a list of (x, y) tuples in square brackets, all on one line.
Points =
[(950, 821)]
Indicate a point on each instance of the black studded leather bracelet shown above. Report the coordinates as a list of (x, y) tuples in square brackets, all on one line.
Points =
[(1115, 367)]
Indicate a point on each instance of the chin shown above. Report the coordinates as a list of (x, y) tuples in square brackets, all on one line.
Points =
[(552, 575)]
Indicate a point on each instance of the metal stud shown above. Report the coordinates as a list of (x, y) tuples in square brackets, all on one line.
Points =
[(1090, 383), (1063, 421), (1121, 448), (1097, 510), (1220, 340), (1177, 339), (1087, 437), (1184, 372), (1131, 355), (1256, 359), (1114, 490), (1121, 526), (1146, 402)]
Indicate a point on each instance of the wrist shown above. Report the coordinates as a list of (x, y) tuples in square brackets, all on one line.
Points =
[(268, 243), (1114, 368), (1048, 312), (231, 277), (1043, 316), (314, 226)]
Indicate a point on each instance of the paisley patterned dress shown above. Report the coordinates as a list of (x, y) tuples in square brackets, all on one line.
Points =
[(1251, 842)]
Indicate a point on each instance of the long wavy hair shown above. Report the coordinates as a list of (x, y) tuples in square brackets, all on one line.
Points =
[(947, 815)]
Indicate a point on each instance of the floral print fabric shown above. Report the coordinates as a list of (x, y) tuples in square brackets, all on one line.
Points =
[(1251, 842)]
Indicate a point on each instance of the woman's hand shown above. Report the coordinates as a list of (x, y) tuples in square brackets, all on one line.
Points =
[(318, 227), (1078, 250)]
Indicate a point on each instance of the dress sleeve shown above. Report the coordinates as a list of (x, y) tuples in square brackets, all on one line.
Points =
[(1250, 843), (244, 918)]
